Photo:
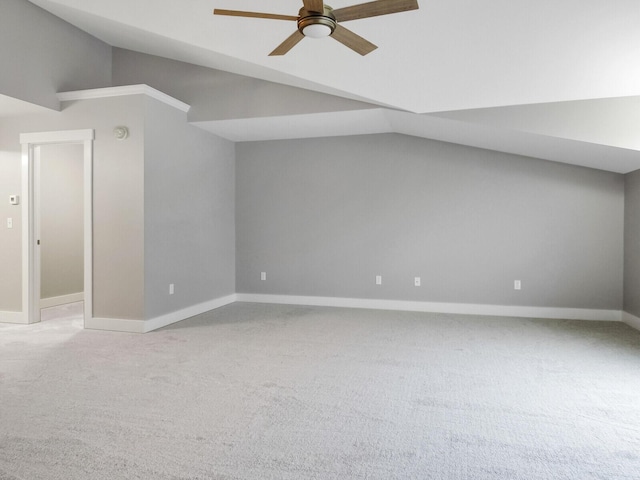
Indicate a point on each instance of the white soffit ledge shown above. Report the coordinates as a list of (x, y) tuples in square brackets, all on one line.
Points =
[(287, 127), (472, 134), (123, 91), (555, 148)]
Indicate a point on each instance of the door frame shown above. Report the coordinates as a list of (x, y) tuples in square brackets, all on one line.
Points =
[(31, 143)]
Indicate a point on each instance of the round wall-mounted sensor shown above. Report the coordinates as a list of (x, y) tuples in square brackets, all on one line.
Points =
[(121, 133)]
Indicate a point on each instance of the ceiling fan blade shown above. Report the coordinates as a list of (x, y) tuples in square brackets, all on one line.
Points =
[(373, 9), (238, 13), (288, 44), (353, 41), (314, 5)]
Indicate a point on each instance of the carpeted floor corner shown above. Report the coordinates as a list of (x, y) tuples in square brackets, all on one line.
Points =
[(254, 391)]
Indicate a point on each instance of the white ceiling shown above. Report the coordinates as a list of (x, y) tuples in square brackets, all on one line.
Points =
[(544, 77)]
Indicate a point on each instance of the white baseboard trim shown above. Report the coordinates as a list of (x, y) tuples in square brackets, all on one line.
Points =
[(631, 320), (144, 326), (61, 300), (434, 307), (114, 325), (179, 315), (13, 317)]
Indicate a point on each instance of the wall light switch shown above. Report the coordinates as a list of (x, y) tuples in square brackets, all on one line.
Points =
[(171, 289), (14, 199), (9, 222), (417, 281), (378, 279), (517, 285), (263, 276)]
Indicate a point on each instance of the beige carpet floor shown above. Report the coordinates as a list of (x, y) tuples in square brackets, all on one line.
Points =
[(254, 391)]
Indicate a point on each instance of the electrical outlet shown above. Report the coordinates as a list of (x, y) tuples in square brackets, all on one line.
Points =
[(517, 285), (263, 276), (378, 279), (171, 289), (417, 281)]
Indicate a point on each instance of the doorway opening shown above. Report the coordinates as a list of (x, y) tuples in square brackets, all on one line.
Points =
[(41, 272)]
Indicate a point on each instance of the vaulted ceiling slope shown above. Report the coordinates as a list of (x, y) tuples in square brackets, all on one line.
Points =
[(559, 80)]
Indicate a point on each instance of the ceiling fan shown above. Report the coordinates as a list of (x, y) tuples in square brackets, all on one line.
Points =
[(317, 20)]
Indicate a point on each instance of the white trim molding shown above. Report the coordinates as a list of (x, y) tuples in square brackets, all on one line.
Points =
[(123, 91), (60, 136), (433, 307), (61, 300), (179, 315), (144, 326), (631, 320), (114, 325), (13, 317), (31, 143)]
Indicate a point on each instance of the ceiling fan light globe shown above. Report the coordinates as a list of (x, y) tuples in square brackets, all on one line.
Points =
[(317, 30)]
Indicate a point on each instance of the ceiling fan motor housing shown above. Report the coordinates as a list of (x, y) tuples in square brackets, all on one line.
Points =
[(316, 21)]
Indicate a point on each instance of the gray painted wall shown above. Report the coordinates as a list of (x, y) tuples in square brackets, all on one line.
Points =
[(41, 55), (62, 220), (467, 221), (325, 216), (188, 214), (163, 207), (118, 202), (632, 244), (217, 95), (10, 249)]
